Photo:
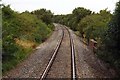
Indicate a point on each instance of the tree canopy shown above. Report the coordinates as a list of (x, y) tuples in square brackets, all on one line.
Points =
[(44, 15)]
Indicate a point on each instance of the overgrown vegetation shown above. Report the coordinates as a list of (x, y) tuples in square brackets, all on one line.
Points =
[(103, 27), (73, 19), (94, 26), (20, 34), (110, 49), (89, 24)]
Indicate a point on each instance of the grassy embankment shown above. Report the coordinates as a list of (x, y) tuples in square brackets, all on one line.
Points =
[(21, 33)]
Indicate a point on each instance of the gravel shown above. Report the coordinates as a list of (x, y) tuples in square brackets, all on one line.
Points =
[(61, 67), (87, 63)]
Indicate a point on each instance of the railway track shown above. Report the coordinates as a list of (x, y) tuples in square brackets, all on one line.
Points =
[(72, 55), (51, 61), (63, 47)]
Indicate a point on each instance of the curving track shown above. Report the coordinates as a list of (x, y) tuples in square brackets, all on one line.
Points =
[(52, 60), (73, 65), (63, 55), (53, 57)]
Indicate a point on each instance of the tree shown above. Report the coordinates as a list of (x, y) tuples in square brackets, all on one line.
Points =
[(73, 19), (80, 12), (110, 49), (94, 26), (44, 15), (113, 34)]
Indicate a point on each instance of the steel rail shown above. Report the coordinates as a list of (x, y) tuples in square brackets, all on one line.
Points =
[(72, 55), (52, 58)]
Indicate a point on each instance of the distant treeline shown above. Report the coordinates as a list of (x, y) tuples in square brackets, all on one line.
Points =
[(22, 32), (103, 27)]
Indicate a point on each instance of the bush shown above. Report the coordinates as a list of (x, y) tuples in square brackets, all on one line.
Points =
[(21, 33), (112, 40)]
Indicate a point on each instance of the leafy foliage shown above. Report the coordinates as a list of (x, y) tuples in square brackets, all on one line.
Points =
[(19, 29), (110, 51), (95, 25), (80, 12), (44, 15), (73, 19)]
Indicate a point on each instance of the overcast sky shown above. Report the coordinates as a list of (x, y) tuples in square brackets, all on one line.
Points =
[(60, 6)]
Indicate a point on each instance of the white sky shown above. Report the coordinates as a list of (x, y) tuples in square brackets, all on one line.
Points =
[(60, 6)]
